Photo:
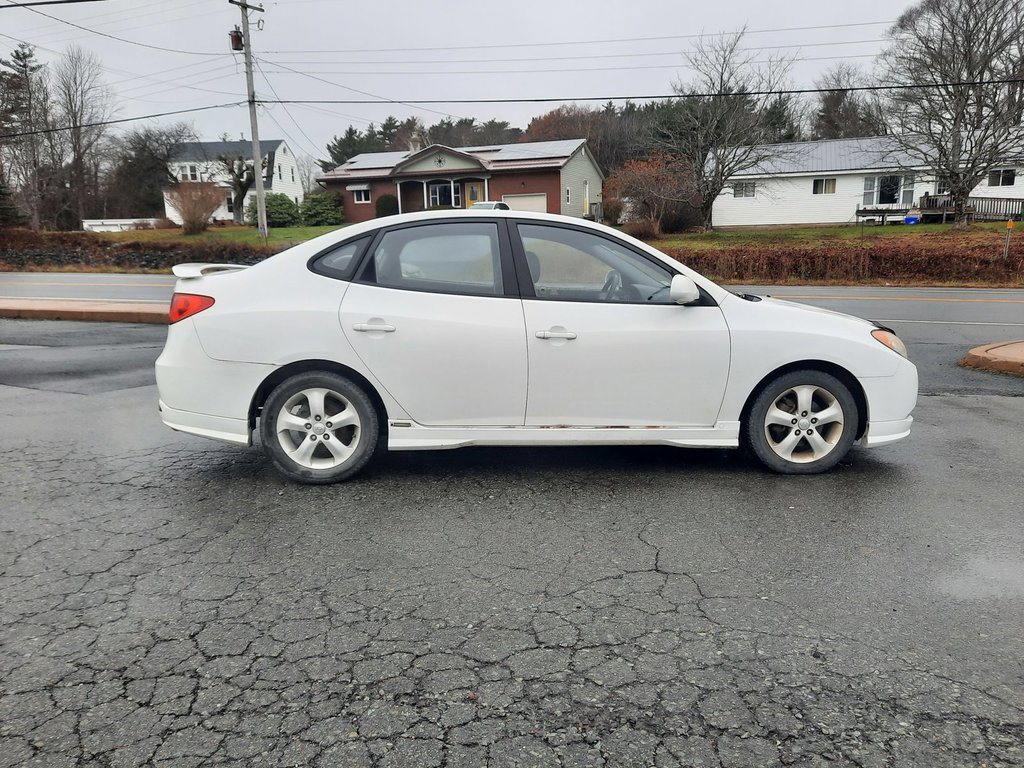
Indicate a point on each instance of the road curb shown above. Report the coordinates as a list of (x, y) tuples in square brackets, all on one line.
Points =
[(80, 309), (1001, 357)]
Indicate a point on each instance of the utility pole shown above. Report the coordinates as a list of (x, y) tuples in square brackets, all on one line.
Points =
[(257, 153)]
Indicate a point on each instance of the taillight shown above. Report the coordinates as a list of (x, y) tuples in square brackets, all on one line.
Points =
[(187, 304)]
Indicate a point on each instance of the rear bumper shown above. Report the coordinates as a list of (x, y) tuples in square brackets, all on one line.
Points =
[(234, 431)]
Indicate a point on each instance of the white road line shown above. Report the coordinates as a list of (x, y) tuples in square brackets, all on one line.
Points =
[(953, 322), (78, 298)]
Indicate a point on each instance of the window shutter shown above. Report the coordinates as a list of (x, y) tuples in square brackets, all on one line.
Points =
[(869, 191)]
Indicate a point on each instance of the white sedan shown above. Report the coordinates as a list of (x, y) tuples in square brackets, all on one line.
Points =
[(456, 328)]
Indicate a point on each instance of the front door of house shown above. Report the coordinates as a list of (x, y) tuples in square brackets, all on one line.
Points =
[(474, 192)]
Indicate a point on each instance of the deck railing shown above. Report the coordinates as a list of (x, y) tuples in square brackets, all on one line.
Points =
[(981, 208)]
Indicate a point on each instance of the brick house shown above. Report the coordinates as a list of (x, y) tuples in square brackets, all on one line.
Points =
[(548, 176)]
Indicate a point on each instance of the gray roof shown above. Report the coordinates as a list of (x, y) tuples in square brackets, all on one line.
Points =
[(874, 152), (203, 151), (535, 153)]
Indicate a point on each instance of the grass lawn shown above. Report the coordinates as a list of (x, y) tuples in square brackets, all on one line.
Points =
[(280, 237)]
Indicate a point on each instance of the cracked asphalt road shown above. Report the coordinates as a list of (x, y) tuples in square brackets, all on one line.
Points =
[(166, 600)]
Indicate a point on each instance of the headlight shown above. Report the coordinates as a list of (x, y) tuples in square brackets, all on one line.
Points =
[(891, 340)]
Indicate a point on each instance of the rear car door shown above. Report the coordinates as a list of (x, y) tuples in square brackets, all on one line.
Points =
[(434, 314)]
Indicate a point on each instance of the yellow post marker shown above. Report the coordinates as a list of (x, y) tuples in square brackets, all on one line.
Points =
[(1006, 245)]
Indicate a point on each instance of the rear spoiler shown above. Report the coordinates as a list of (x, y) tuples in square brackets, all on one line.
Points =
[(201, 270)]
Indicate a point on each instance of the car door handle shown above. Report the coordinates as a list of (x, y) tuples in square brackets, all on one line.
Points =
[(366, 327), (556, 335)]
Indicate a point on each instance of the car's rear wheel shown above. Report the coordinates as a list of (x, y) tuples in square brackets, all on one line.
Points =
[(319, 427), (802, 422)]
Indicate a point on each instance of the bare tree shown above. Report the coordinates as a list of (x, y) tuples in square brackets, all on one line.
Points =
[(959, 122), (140, 169), (239, 170), (841, 112), (195, 202), (719, 127), (309, 169), (82, 101)]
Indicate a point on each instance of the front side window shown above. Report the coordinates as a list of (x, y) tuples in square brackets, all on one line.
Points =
[(571, 265), (888, 190), (568, 195), (361, 195), (743, 189), (823, 187), (441, 258), (1004, 177)]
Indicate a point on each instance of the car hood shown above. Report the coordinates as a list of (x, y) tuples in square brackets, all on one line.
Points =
[(780, 305)]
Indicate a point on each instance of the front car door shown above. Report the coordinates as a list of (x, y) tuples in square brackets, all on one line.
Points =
[(607, 347), (433, 314)]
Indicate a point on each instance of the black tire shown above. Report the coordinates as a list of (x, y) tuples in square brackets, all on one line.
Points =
[(814, 444), (306, 454)]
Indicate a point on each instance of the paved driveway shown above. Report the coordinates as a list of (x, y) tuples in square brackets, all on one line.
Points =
[(168, 600)]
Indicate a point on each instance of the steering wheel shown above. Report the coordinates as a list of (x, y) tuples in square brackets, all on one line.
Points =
[(612, 285)]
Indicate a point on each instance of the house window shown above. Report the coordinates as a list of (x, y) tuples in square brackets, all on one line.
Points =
[(441, 194), (193, 174), (744, 189), (942, 186), (231, 204), (1003, 177), (280, 176), (361, 195), (823, 187), (293, 174), (568, 195)]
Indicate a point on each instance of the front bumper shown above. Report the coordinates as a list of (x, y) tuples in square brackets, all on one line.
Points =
[(884, 432)]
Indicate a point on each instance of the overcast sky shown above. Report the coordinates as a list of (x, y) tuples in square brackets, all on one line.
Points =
[(409, 49)]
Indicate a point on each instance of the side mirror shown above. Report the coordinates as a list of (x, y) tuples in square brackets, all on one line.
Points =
[(683, 290)]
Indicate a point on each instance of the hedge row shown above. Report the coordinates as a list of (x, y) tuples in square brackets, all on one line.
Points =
[(25, 250), (889, 260)]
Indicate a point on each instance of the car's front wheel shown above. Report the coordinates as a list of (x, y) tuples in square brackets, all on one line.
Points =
[(319, 427), (802, 422)]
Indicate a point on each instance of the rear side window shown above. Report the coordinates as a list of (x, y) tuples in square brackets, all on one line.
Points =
[(459, 257), (340, 261)]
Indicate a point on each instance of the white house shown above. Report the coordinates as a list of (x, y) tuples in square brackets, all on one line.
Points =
[(827, 182), (199, 161)]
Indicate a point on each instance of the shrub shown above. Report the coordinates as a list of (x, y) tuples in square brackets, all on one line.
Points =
[(612, 210), (195, 202), (321, 209), (386, 205), (679, 217), (281, 211), (642, 229)]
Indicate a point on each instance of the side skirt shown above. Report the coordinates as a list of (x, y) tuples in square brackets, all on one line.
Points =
[(406, 436)]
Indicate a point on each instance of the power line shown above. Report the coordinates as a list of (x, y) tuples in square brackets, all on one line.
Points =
[(273, 90), (98, 123), (587, 42), (548, 70), (663, 97), (382, 100), (48, 2), (491, 60), (124, 40)]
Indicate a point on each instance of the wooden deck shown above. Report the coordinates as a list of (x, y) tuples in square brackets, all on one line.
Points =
[(939, 207)]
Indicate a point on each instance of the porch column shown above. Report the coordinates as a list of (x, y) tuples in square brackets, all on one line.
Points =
[(398, 186), (487, 195), (451, 183), (425, 205)]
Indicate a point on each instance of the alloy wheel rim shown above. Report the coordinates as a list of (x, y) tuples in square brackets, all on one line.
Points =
[(804, 424), (318, 428)]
